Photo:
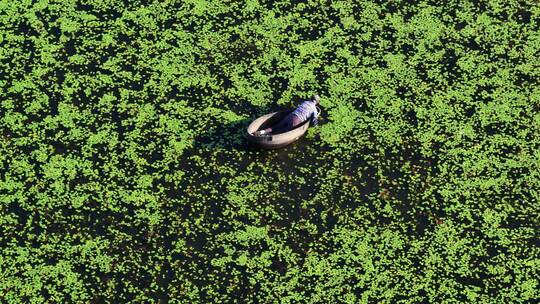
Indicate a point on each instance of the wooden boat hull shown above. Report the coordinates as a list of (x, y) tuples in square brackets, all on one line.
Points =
[(274, 141)]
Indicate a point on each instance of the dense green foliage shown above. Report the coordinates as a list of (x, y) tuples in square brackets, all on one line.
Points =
[(125, 175)]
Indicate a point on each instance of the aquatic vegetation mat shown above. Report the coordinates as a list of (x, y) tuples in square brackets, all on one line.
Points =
[(125, 175)]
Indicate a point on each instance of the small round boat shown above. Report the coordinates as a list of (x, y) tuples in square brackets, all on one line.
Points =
[(277, 140)]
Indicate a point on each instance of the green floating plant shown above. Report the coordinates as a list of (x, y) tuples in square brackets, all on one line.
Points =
[(125, 175)]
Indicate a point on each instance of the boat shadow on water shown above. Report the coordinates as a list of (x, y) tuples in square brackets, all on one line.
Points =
[(227, 136), (232, 136)]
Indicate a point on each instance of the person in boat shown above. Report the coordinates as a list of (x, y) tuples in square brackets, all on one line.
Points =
[(306, 110)]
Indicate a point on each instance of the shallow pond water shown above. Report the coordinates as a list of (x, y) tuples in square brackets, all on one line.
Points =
[(126, 177)]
